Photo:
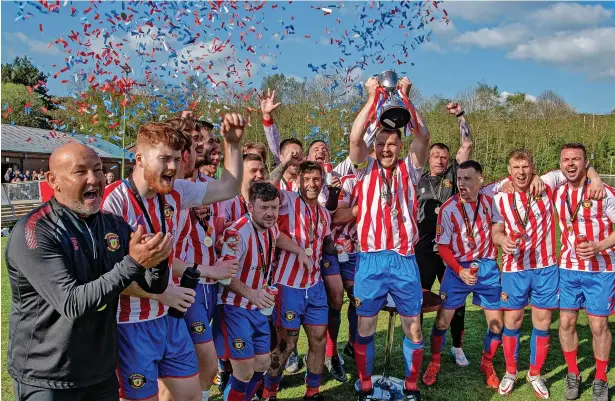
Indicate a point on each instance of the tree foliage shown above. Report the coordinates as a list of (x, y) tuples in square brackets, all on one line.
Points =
[(23, 108), (21, 71)]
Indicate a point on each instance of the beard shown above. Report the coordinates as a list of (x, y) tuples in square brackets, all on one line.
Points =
[(260, 222), (156, 182)]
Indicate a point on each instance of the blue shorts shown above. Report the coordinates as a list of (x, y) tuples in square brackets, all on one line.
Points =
[(329, 266), (240, 333), (200, 313), (485, 293), (300, 306), (592, 291), (387, 272), (150, 350), (538, 286)]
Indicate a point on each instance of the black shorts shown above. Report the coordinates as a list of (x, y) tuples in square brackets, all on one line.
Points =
[(430, 266), (107, 390)]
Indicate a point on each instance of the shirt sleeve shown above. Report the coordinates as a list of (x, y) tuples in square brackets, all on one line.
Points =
[(346, 192), (191, 193), (235, 245), (496, 216), (273, 138), (609, 203), (113, 202), (328, 221), (413, 171), (554, 179), (360, 170), (38, 257), (285, 200), (344, 168), (444, 229)]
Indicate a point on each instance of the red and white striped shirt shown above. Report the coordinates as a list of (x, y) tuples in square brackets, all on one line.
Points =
[(284, 185), (235, 208), (119, 199), (594, 219), (250, 270), (453, 228), (348, 195), (381, 226), (293, 186), (295, 219), (537, 237), (195, 249)]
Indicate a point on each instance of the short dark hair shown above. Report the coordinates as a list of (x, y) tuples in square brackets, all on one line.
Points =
[(263, 190), (308, 167), (314, 142), (576, 145), (251, 157), (290, 141), (390, 130), (440, 145), (200, 124), (472, 164)]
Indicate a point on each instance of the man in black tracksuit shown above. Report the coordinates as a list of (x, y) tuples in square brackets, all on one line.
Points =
[(67, 264), (434, 188)]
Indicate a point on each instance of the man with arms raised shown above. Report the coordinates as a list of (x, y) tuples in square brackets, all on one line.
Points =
[(387, 231), (243, 333), (587, 268), (436, 186), (153, 196)]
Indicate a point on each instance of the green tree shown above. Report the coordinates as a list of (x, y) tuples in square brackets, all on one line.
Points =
[(21, 71), (17, 97)]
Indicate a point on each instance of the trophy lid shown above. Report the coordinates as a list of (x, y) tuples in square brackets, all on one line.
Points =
[(388, 79)]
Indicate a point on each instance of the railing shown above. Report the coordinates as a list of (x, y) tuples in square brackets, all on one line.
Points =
[(608, 179), (22, 192)]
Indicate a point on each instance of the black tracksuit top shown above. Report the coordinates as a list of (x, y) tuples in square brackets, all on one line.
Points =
[(66, 274)]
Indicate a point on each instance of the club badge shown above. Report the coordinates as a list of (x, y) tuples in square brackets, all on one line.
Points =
[(197, 328), (137, 380), (504, 296), (168, 211), (443, 296), (113, 241), (448, 183), (587, 204), (239, 344), (326, 264), (289, 316), (439, 229), (357, 302)]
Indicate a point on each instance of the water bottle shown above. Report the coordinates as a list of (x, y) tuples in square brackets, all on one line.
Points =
[(190, 279)]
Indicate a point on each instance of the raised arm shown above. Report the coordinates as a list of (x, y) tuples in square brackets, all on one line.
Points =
[(358, 148), (465, 148), (288, 159), (229, 184), (271, 130)]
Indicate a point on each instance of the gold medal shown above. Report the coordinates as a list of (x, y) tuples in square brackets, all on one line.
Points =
[(208, 241), (309, 252), (570, 229)]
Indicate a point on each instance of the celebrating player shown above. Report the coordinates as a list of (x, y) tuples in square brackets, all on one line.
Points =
[(587, 268), (253, 170), (464, 242), (386, 227), (243, 332), (151, 344), (436, 186), (302, 300)]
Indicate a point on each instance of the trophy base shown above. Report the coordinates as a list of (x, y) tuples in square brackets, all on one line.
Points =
[(395, 117), (385, 388)]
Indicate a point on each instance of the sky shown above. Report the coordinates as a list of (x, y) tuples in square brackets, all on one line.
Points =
[(528, 47)]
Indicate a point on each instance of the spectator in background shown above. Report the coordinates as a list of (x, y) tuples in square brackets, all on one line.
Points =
[(110, 178), (9, 175), (28, 176), (41, 175)]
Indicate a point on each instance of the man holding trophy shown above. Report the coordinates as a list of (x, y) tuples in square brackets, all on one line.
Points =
[(386, 224)]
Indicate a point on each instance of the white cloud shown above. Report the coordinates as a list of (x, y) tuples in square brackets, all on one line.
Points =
[(35, 46), (441, 28), (432, 46), (569, 47), (504, 36), (504, 95), (571, 14), (485, 11)]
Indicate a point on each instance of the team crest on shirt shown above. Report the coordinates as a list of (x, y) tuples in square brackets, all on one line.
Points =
[(439, 229), (538, 197), (168, 211), (113, 241), (289, 316), (197, 328), (137, 380), (357, 302), (504, 296), (239, 344), (447, 183), (587, 204), (443, 296)]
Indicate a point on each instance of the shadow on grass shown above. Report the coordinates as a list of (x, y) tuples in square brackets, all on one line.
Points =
[(456, 383)]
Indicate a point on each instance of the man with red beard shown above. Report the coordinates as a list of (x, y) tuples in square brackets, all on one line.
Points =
[(151, 343)]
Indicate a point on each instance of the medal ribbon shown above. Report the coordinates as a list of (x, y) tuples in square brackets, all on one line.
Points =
[(313, 225), (265, 264), (528, 208), (389, 184), (466, 220), (573, 216)]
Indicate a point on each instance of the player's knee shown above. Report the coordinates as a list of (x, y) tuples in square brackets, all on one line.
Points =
[(598, 325), (262, 362), (367, 326), (567, 323)]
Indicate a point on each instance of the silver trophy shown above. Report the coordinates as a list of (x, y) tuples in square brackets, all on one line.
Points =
[(394, 113)]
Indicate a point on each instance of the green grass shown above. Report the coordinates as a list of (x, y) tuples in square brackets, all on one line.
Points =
[(454, 383)]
